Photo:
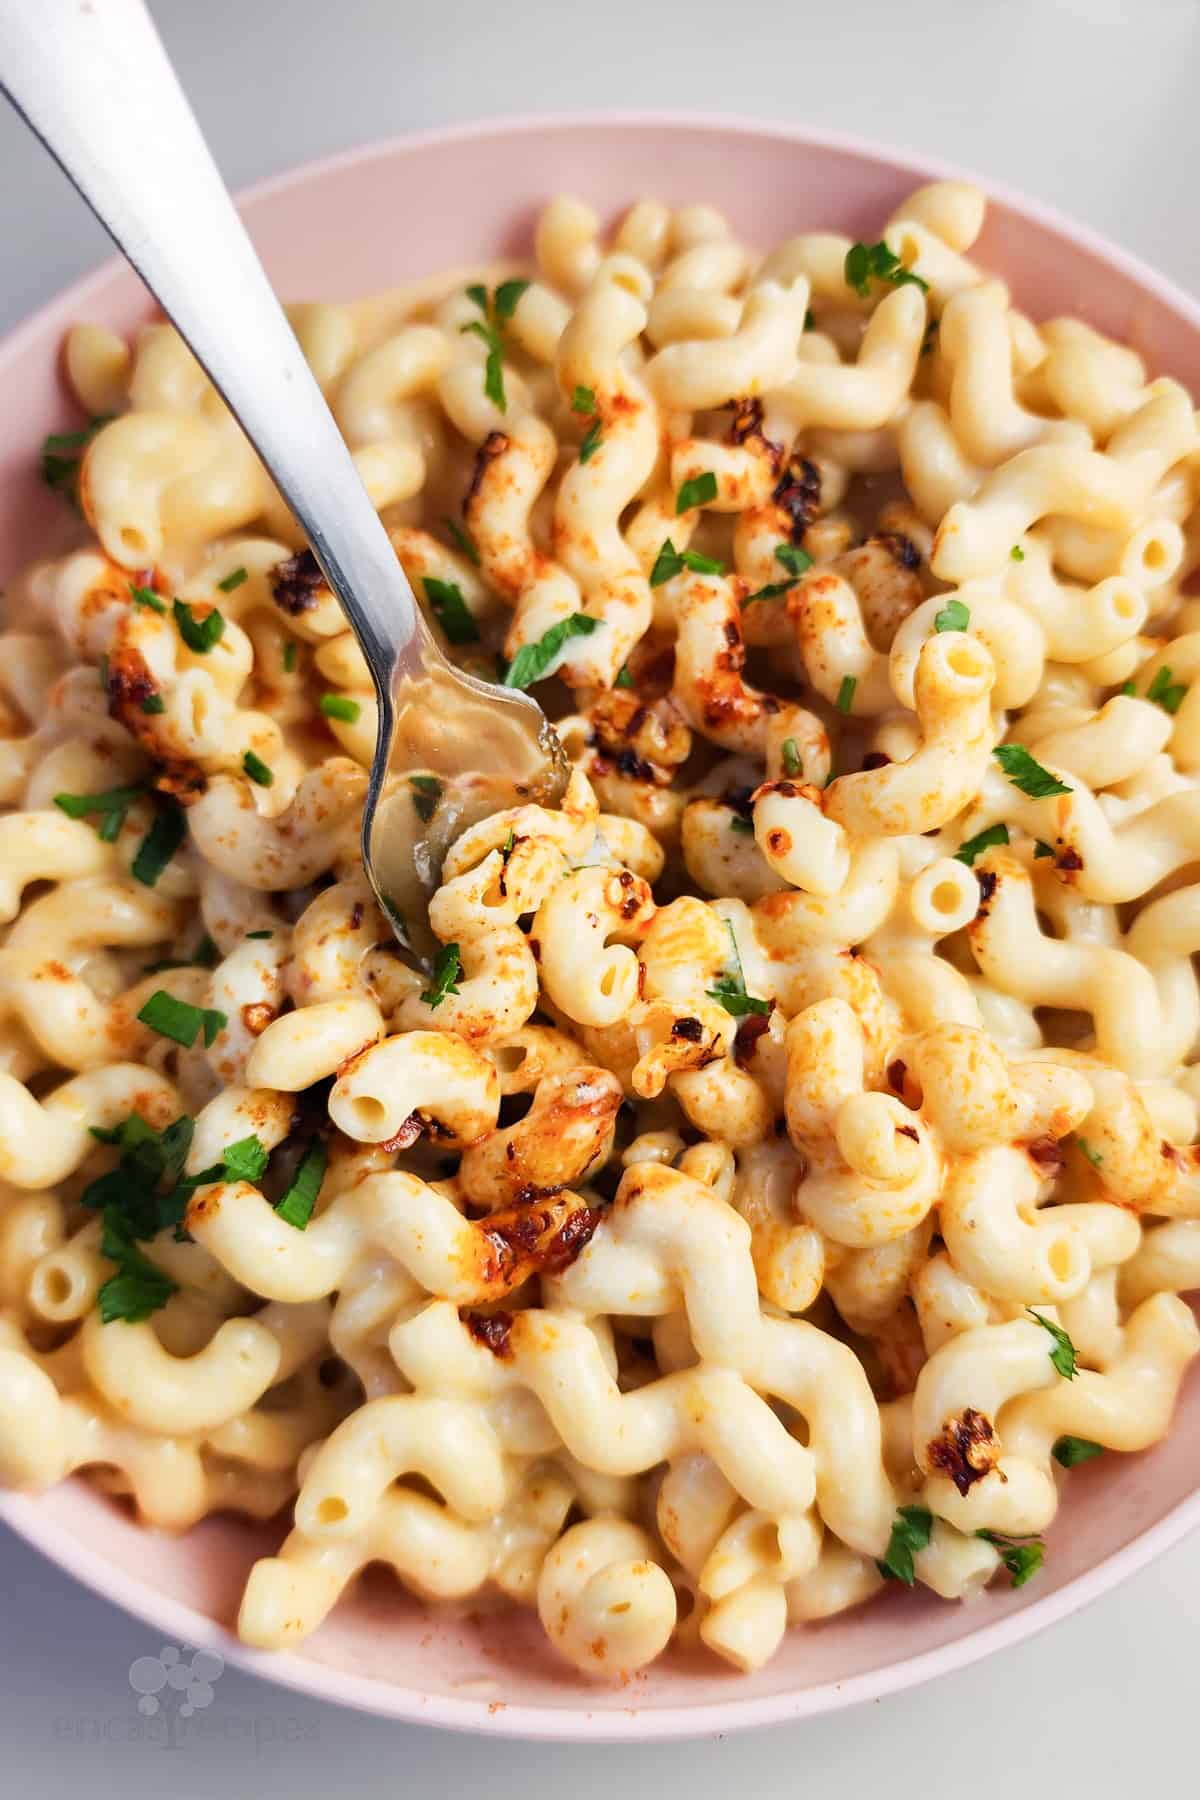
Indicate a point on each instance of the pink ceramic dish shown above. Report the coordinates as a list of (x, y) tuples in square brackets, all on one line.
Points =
[(361, 223)]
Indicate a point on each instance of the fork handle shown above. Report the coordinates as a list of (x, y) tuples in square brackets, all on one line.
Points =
[(95, 84)]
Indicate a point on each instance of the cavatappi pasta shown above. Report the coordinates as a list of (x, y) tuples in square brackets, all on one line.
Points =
[(791, 1166)]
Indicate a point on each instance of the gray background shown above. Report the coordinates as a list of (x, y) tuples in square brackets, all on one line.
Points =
[(1087, 103)]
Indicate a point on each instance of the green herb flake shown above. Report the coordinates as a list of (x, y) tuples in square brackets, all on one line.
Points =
[(1069, 1452), (1021, 1557), (590, 444), (62, 453), (533, 661), (744, 827), (508, 295), (493, 374), (296, 1206), (1041, 849), (340, 706), (143, 596), (1063, 1354), (790, 753), (1128, 688), (463, 540), (623, 678), (1026, 773), (199, 634), (479, 294), (446, 971), (867, 262), (180, 1021), (153, 703), (583, 400), (795, 560), (730, 991), (160, 843), (289, 657), (954, 616), (984, 840), (1095, 1157), (426, 792), (1017, 554), (911, 1531), (258, 771), (701, 490), (233, 580), (810, 319), (1165, 693), (453, 613), (773, 591), (110, 806), (260, 934), (845, 699), (244, 1161), (670, 561)]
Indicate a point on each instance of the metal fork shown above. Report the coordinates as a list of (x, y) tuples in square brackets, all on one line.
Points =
[(92, 79)]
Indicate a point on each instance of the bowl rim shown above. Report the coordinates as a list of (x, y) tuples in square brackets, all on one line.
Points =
[(23, 1513)]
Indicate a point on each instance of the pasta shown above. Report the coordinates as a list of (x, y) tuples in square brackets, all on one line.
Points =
[(789, 1167)]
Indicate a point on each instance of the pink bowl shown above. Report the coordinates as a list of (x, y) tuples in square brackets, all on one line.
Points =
[(326, 231)]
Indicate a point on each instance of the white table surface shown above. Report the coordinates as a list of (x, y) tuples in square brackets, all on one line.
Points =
[(1087, 103)]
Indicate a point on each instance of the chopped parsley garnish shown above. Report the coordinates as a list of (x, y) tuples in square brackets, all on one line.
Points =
[(845, 699), (507, 296), (792, 763), (233, 580), (204, 956), (144, 596), (772, 591), (180, 1021), (463, 539), (142, 1196), (154, 703), (1021, 1557), (426, 792), (1063, 1354), (453, 613), (297, 1204), (1071, 1451), (1165, 693), (62, 453), (973, 847), (479, 294), (533, 661), (670, 561), (111, 806), (1041, 849), (744, 827), (1095, 1157), (1129, 688), (446, 971), (199, 634), (875, 262), (954, 616), (258, 771), (911, 1531), (623, 678), (260, 934), (795, 560), (730, 991), (160, 843), (493, 369), (340, 706), (244, 1161), (289, 656), (810, 319), (1026, 773), (1017, 554), (701, 490), (583, 400), (591, 443)]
